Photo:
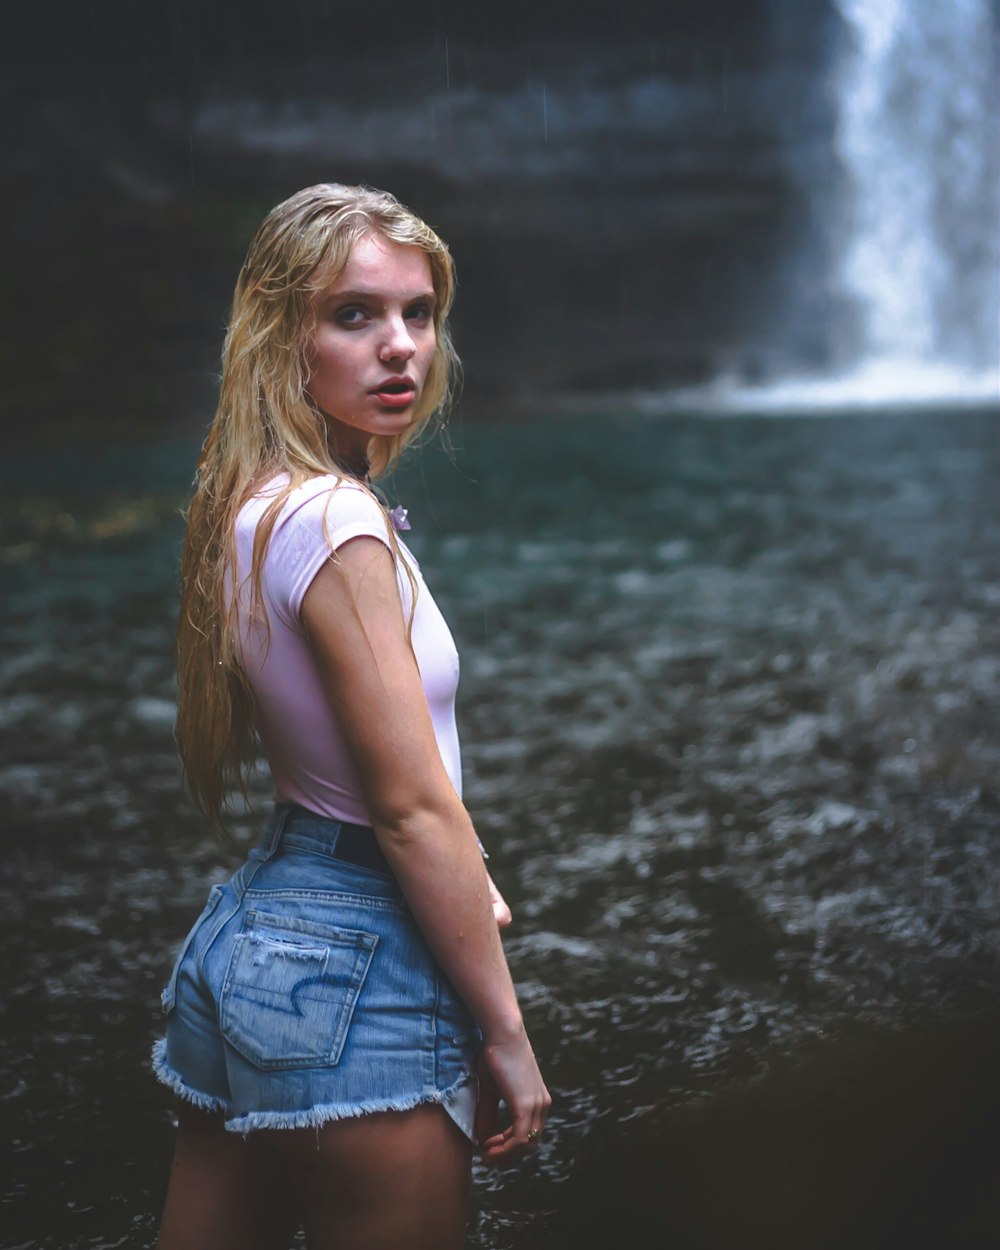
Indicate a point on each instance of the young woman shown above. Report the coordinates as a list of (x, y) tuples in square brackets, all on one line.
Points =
[(343, 1005)]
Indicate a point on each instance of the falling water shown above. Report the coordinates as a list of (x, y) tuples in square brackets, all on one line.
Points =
[(919, 261), (917, 140)]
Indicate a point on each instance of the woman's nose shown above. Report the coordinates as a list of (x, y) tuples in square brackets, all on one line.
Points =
[(398, 342)]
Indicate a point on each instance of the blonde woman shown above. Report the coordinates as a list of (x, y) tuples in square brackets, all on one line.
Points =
[(341, 1022)]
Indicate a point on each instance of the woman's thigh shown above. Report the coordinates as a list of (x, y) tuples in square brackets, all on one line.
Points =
[(227, 1192), (382, 1181)]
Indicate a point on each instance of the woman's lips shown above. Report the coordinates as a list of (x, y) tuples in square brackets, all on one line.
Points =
[(401, 395)]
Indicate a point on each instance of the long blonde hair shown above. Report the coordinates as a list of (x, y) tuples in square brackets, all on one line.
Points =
[(266, 424)]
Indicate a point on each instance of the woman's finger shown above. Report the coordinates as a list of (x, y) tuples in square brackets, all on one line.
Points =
[(521, 1138), (506, 1149), (501, 912), (503, 1148)]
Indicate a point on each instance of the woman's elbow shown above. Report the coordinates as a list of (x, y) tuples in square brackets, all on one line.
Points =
[(405, 818)]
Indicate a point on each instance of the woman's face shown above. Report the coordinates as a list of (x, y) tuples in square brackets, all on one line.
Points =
[(373, 344)]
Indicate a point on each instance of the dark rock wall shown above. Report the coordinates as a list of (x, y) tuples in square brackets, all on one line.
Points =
[(633, 191)]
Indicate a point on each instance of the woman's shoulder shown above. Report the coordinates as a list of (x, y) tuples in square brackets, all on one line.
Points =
[(327, 506), (326, 494), (310, 519)]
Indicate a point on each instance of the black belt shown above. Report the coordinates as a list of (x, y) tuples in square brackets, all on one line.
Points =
[(357, 844), (354, 844)]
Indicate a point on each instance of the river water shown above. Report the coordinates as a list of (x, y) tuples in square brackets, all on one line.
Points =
[(729, 716)]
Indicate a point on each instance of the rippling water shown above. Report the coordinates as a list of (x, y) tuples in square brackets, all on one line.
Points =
[(729, 713)]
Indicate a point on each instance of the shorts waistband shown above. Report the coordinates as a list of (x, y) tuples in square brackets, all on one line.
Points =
[(293, 825)]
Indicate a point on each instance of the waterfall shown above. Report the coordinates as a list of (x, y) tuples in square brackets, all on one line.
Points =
[(916, 236), (917, 139)]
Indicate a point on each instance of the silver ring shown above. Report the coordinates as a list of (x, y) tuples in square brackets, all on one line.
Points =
[(533, 1134)]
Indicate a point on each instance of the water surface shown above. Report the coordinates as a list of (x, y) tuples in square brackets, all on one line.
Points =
[(729, 716)]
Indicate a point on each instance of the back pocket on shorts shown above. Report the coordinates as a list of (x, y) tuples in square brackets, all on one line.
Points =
[(291, 989)]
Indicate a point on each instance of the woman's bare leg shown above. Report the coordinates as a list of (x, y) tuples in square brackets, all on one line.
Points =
[(226, 1192), (382, 1182)]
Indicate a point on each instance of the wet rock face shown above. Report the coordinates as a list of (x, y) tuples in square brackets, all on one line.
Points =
[(621, 190), (747, 194)]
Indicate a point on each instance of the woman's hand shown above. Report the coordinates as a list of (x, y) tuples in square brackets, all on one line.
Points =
[(500, 909), (507, 1070), (509, 1066)]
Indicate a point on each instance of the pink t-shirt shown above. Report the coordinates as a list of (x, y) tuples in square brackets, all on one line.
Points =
[(309, 759)]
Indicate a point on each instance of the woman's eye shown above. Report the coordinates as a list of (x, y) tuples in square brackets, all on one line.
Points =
[(420, 313), (351, 315)]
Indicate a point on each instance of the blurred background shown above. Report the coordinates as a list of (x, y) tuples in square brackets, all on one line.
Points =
[(716, 534)]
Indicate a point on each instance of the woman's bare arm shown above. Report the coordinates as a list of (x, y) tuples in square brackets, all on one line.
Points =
[(354, 619)]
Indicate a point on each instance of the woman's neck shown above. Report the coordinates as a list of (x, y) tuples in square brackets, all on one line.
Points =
[(356, 465)]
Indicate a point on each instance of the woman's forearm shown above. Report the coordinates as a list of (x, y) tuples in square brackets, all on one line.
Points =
[(444, 880)]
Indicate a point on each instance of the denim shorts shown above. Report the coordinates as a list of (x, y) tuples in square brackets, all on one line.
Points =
[(306, 993)]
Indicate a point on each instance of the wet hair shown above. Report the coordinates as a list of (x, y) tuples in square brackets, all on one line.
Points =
[(266, 425)]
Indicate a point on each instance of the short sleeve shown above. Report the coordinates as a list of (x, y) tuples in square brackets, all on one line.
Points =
[(319, 517)]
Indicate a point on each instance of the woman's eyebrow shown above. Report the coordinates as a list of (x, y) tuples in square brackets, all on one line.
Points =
[(379, 296)]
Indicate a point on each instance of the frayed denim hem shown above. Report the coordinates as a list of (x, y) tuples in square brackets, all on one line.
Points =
[(326, 1113), (165, 1073)]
